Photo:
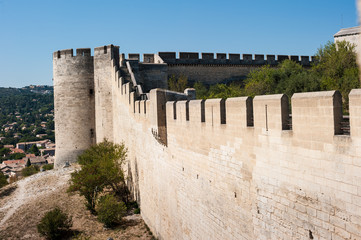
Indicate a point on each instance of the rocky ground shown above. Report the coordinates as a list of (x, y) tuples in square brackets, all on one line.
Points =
[(24, 203)]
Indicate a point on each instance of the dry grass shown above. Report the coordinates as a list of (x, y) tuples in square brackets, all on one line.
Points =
[(24, 203)]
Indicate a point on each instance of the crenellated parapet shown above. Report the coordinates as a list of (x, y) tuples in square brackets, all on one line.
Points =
[(219, 58), (223, 58)]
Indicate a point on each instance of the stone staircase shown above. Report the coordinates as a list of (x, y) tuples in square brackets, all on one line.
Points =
[(130, 73)]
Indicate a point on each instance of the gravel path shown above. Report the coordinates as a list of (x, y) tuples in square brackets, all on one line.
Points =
[(31, 188)]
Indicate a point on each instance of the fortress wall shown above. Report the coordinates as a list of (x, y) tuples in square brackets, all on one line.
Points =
[(153, 76), (223, 169), (73, 103), (211, 74), (211, 68), (227, 179), (103, 69)]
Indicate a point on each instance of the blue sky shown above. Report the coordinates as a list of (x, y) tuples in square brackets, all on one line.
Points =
[(30, 30)]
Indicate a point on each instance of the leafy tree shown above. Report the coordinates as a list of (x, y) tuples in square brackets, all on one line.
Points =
[(289, 77), (3, 180), (34, 149), (4, 151), (16, 156), (101, 167), (54, 224), (110, 211), (28, 163), (177, 84), (201, 90), (337, 68)]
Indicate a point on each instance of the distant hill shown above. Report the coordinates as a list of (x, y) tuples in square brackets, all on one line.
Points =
[(26, 114), (42, 89)]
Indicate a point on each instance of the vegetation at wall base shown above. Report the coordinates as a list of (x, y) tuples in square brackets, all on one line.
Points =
[(101, 171), (110, 210), (55, 224)]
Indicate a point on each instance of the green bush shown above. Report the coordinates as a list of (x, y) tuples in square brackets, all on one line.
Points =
[(177, 84), (54, 224), (110, 210), (48, 167), (3, 180), (28, 171), (101, 168)]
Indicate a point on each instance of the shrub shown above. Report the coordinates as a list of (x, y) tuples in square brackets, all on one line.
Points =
[(177, 84), (48, 167), (3, 180), (110, 210), (54, 224), (101, 167), (28, 171)]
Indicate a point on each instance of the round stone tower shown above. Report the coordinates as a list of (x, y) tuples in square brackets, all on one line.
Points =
[(74, 107)]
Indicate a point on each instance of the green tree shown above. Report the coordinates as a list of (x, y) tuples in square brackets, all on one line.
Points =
[(28, 163), (177, 84), (337, 68), (4, 151), (261, 81), (34, 149), (3, 180), (16, 156), (201, 90), (289, 77), (54, 224), (101, 167)]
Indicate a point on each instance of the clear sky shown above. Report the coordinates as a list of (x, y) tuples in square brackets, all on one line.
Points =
[(30, 30)]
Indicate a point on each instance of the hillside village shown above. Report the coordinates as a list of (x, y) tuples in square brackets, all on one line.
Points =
[(13, 167), (26, 129)]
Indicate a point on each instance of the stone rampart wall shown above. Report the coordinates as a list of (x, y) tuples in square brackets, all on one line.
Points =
[(232, 170), (208, 68)]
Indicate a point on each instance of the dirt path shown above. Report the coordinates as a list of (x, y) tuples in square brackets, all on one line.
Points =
[(31, 187), (23, 204)]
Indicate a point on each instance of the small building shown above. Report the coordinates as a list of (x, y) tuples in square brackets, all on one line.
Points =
[(39, 160), (16, 150), (351, 35), (47, 151), (21, 146), (6, 170), (14, 162)]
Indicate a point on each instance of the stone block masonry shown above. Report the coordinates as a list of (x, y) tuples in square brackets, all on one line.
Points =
[(232, 168)]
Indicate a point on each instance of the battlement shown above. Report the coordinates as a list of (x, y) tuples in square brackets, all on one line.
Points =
[(230, 58), (68, 53), (268, 113), (106, 49)]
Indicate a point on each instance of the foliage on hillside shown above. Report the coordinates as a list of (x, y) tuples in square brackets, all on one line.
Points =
[(25, 113)]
